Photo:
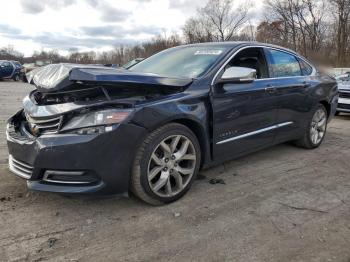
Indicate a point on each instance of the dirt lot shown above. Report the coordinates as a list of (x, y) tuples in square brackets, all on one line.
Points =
[(281, 204)]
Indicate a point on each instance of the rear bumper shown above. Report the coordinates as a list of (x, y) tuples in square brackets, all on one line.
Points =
[(69, 163)]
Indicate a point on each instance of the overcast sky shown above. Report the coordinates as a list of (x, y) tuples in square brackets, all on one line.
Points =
[(91, 24)]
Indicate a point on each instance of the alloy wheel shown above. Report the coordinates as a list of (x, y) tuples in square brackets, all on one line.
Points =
[(318, 126), (171, 166)]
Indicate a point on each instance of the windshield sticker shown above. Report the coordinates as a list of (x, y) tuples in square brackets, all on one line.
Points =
[(208, 52)]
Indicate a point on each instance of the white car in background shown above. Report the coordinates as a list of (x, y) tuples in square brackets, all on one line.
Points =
[(344, 93)]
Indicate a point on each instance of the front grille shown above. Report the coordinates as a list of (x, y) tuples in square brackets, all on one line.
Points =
[(19, 168), (44, 125), (344, 94)]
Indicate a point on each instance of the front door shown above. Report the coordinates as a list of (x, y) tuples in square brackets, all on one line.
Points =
[(244, 114)]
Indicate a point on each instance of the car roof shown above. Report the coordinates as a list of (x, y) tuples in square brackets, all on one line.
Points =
[(234, 44)]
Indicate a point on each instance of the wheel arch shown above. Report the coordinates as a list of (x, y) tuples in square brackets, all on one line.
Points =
[(327, 105), (201, 135)]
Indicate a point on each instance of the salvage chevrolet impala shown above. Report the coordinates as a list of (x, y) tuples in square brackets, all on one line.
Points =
[(149, 129)]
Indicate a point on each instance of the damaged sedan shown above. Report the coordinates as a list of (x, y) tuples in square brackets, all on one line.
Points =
[(149, 130)]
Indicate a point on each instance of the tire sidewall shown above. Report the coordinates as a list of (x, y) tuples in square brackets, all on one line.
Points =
[(144, 161)]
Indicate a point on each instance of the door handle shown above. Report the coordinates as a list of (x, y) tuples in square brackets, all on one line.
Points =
[(270, 89)]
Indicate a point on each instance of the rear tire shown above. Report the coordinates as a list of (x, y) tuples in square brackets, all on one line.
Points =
[(166, 164), (316, 129)]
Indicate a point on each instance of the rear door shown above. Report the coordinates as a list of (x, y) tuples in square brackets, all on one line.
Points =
[(290, 82)]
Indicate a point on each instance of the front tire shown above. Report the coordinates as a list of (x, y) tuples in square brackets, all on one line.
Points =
[(316, 129), (165, 165), (16, 78)]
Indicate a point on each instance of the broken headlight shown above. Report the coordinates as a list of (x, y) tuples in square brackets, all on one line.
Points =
[(96, 122)]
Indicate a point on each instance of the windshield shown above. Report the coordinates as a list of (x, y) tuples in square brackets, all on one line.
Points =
[(184, 62)]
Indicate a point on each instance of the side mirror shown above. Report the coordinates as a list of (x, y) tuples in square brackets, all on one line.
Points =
[(238, 75)]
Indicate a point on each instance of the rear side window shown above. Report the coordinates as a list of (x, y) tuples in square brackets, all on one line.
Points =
[(282, 64), (306, 69)]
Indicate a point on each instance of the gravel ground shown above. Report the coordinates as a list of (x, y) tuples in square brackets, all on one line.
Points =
[(281, 204)]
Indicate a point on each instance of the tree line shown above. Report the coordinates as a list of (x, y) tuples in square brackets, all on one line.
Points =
[(318, 29)]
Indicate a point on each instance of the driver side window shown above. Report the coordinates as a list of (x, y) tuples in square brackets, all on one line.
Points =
[(253, 58)]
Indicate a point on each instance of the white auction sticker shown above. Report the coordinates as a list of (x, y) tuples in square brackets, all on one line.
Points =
[(208, 52)]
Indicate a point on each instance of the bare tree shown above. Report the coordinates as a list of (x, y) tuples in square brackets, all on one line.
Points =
[(197, 30), (225, 17), (10, 53), (311, 24), (304, 23), (342, 17), (272, 32), (285, 11)]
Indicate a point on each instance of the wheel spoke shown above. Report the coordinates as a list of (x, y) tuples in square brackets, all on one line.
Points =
[(182, 151), (174, 143), (184, 171), (156, 159), (168, 188), (178, 179), (315, 137), (321, 134), (155, 171), (319, 115), (188, 157), (321, 123), (165, 147), (161, 182)]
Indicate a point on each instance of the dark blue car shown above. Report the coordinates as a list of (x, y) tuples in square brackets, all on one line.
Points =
[(150, 129), (10, 70)]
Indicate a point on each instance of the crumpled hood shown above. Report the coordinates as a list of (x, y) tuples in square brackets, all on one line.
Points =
[(63, 77)]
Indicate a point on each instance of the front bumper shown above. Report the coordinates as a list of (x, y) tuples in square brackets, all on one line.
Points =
[(83, 163)]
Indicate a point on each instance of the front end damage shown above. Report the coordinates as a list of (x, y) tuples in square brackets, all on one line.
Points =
[(75, 133)]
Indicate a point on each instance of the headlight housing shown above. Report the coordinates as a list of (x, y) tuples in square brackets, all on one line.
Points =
[(96, 121)]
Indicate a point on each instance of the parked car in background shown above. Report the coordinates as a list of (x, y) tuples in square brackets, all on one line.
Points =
[(148, 130), (112, 65), (132, 63), (344, 93), (10, 70)]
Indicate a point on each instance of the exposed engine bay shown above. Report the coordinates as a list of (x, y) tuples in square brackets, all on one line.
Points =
[(123, 95), (68, 83)]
